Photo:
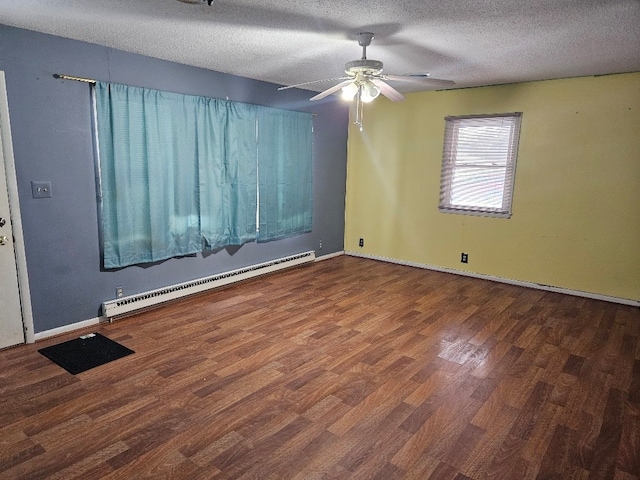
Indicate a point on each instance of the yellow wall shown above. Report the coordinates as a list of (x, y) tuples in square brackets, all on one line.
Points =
[(576, 204)]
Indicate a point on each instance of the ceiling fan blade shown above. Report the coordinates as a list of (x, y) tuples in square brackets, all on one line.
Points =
[(312, 82), (423, 80), (331, 90), (388, 91)]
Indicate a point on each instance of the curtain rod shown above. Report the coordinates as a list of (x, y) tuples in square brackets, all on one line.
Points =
[(62, 76), (71, 77)]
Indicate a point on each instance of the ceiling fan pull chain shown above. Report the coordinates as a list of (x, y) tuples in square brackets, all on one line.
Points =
[(359, 109)]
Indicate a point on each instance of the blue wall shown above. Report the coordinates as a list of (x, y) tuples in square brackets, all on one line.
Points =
[(52, 140)]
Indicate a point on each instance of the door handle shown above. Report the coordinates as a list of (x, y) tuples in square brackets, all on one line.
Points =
[(4, 240)]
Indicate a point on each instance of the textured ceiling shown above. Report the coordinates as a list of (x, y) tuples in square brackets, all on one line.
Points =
[(473, 42)]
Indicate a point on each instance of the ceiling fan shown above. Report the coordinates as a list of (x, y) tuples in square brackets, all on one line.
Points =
[(365, 80)]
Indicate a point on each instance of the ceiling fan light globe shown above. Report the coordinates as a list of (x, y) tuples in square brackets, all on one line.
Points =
[(369, 92), (349, 91)]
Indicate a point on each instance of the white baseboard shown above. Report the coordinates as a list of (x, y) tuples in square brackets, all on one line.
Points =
[(595, 296), (537, 286), (94, 321), (67, 328), (329, 255)]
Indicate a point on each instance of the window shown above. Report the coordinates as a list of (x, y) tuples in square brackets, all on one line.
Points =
[(478, 164), (179, 173)]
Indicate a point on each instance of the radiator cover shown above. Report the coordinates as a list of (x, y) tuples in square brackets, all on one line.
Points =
[(127, 305)]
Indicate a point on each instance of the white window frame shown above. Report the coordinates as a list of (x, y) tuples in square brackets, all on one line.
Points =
[(454, 148)]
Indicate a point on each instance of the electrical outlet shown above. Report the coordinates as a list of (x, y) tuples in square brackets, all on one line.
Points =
[(320, 245), (119, 292), (361, 242), (41, 189), (464, 258)]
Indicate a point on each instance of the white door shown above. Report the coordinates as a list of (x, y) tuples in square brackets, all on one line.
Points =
[(11, 326)]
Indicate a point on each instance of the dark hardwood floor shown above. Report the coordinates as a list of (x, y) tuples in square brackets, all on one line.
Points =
[(350, 369)]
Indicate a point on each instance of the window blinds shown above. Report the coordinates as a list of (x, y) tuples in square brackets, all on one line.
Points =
[(478, 164)]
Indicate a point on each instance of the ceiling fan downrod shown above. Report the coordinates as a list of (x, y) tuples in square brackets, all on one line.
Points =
[(364, 40)]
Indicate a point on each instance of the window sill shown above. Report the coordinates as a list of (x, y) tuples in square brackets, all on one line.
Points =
[(475, 213)]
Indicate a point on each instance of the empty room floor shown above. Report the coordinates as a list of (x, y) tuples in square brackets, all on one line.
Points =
[(349, 369)]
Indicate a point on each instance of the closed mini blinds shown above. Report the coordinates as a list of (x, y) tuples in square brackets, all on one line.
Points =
[(478, 164)]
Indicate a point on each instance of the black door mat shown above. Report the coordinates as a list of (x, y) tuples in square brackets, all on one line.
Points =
[(85, 352)]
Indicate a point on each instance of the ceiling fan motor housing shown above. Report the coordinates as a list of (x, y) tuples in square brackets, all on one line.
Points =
[(363, 66)]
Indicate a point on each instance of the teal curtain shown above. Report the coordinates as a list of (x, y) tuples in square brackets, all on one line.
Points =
[(211, 174), (228, 177), (181, 174), (285, 173), (148, 170), (178, 173)]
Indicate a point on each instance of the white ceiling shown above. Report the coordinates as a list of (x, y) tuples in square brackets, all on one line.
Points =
[(473, 42)]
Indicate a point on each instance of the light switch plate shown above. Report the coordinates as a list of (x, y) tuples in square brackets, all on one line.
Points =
[(41, 189)]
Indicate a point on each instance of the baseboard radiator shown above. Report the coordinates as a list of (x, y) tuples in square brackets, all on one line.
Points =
[(123, 306)]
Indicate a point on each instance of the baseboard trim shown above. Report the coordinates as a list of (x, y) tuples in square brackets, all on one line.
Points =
[(520, 283), (329, 255), (577, 293), (95, 321), (67, 328)]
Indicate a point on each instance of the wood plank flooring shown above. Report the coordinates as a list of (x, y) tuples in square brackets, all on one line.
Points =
[(347, 369)]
